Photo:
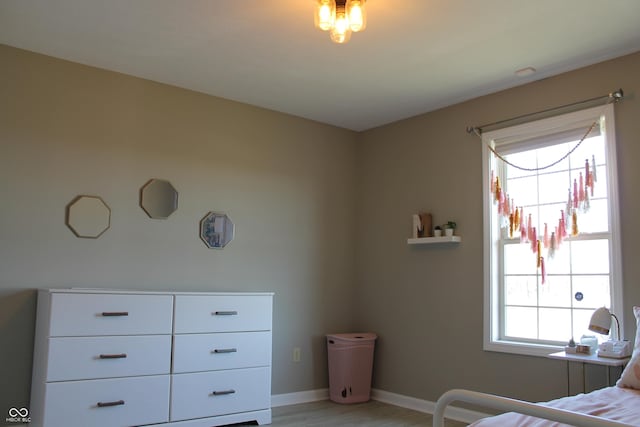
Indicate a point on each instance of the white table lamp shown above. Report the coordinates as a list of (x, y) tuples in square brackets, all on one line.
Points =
[(601, 322)]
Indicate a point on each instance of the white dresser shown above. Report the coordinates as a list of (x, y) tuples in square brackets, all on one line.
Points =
[(107, 358)]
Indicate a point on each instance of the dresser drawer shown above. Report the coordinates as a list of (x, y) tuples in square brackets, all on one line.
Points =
[(207, 352), (220, 392), (108, 403), (218, 313), (95, 314), (78, 358)]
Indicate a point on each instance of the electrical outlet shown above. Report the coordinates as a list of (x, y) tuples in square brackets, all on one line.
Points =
[(296, 354)]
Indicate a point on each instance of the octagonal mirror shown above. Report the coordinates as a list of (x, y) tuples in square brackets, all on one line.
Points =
[(216, 230), (158, 198), (88, 216)]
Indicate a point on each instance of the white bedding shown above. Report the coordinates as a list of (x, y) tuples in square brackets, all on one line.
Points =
[(614, 403)]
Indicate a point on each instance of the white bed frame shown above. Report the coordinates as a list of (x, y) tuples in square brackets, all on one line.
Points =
[(513, 405)]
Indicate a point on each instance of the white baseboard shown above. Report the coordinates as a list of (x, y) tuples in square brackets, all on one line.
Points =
[(420, 405), (299, 397), (426, 406)]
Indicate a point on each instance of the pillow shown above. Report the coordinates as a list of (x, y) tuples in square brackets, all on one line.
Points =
[(630, 377), (636, 345)]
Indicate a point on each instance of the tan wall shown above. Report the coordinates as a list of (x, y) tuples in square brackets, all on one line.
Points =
[(287, 183), (430, 163)]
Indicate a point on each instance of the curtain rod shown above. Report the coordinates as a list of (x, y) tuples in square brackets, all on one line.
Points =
[(611, 97)]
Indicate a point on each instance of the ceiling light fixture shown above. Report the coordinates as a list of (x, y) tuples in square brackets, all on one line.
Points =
[(340, 18)]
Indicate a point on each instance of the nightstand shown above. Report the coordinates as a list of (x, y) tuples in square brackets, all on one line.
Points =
[(591, 359)]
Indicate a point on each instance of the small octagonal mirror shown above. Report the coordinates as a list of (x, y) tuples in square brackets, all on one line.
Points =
[(88, 216), (158, 198), (216, 230)]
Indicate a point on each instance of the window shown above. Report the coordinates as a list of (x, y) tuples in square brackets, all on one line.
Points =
[(541, 288)]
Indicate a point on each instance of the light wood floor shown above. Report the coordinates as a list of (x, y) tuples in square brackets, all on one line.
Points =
[(370, 414)]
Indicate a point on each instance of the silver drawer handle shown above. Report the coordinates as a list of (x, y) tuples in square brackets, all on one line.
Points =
[(113, 356), (225, 350), (115, 313), (222, 392), (225, 313), (106, 404)]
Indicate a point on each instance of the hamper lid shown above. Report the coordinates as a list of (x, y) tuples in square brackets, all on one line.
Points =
[(353, 337)]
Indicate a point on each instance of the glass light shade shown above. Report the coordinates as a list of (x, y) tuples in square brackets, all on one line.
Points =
[(357, 15), (340, 32), (325, 14), (600, 321)]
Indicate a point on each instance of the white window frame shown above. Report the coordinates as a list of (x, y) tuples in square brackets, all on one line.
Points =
[(548, 126)]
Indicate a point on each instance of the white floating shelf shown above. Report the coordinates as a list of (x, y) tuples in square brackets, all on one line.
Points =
[(429, 240)]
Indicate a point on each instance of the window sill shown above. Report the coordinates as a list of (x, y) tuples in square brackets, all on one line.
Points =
[(537, 350)]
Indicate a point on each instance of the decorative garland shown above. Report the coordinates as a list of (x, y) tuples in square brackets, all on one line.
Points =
[(514, 216), (498, 155)]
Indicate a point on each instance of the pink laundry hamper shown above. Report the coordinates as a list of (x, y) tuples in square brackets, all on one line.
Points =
[(350, 359)]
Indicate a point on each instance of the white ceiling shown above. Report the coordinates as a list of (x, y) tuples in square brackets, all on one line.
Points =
[(415, 55)]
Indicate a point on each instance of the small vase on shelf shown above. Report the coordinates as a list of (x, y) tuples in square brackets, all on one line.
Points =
[(449, 227)]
